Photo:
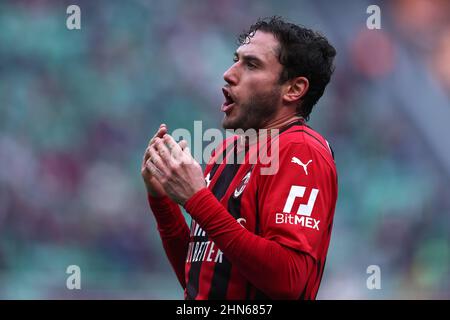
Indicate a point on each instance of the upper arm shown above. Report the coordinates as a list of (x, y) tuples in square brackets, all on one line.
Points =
[(297, 201)]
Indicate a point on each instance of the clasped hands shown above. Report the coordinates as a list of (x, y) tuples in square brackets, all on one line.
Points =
[(168, 168)]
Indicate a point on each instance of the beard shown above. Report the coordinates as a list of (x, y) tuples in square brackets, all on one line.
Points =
[(252, 114)]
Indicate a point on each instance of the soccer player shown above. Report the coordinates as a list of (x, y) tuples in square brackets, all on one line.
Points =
[(253, 235)]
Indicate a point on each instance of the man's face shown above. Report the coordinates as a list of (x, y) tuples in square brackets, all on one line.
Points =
[(253, 93)]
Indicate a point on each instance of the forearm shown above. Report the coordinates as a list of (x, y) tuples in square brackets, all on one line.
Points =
[(173, 231), (279, 272)]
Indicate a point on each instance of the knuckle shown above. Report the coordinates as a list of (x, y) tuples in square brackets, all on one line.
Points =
[(172, 166), (178, 162)]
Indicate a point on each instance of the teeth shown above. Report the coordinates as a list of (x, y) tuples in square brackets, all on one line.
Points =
[(228, 98)]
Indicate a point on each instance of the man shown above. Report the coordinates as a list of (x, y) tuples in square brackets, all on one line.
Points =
[(253, 236)]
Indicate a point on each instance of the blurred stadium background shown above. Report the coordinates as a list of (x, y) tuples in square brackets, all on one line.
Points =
[(78, 107)]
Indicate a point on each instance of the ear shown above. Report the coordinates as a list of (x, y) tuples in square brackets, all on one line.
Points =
[(296, 89)]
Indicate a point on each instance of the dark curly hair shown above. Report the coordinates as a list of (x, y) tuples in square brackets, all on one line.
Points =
[(302, 52)]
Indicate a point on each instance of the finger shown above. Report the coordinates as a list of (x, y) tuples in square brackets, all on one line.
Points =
[(156, 160), (173, 146), (153, 170), (187, 151), (146, 169), (183, 144), (170, 142), (187, 156), (146, 155), (164, 152), (162, 130), (144, 159), (159, 134)]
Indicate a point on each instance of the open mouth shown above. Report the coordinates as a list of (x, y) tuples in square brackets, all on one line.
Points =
[(229, 100)]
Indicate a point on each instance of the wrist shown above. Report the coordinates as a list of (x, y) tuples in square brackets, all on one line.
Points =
[(154, 194), (197, 196)]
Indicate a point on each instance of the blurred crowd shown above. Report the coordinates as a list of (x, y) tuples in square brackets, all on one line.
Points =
[(77, 108)]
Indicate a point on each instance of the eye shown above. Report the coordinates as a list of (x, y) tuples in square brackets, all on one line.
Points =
[(251, 65)]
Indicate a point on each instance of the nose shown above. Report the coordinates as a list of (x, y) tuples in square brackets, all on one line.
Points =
[(231, 76)]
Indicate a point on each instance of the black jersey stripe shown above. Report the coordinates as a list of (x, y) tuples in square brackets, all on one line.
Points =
[(222, 271), (194, 271), (257, 231), (332, 151), (220, 280), (213, 171), (192, 286), (226, 177), (194, 276), (261, 296)]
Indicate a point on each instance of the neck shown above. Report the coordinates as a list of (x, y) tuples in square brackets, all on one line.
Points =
[(277, 123), (281, 121)]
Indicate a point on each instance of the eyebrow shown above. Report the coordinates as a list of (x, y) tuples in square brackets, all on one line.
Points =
[(249, 58)]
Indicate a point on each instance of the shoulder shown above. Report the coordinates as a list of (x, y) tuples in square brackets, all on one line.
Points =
[(304, 139), (302, 134), (298, 146)]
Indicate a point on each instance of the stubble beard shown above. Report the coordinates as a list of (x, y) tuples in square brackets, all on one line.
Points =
[(255, 112)]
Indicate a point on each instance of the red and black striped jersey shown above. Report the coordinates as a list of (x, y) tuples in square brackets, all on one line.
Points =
[(258, 233)]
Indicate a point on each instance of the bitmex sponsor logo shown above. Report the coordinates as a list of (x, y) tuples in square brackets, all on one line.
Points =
[(303, 216), (303, 221)]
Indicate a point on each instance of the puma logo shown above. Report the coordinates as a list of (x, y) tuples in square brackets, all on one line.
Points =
[(241, 221), (297, 161), (208, 179)]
